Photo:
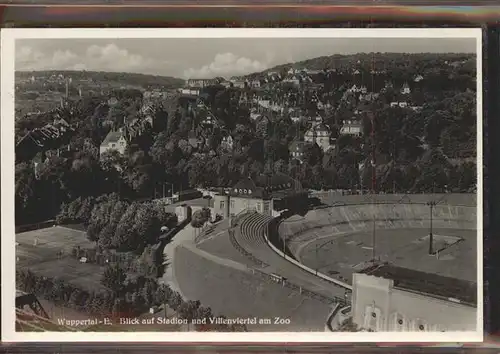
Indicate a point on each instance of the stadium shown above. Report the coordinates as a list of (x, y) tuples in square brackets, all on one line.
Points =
[(319, 255)]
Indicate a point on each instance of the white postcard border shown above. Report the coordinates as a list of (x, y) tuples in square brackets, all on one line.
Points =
[(8, 38)]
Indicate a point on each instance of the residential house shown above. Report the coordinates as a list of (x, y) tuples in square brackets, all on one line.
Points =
[(190, 91), (112, 101), (194, 140), (254, 115), (38, 162), (371, 96), (388, 86), (405, 90), (400, 104), (201, 83), (227, 142), (115, 140), (306, 79), (355, 89), (294, 80), (138, 126), (50, 136), (319, 134), (208, 120), (312, 72), (296, 149), (255, 83), (226, 84), (352, 127), (240, 84)]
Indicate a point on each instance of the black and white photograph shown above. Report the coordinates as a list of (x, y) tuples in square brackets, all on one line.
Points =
[(282, 185)]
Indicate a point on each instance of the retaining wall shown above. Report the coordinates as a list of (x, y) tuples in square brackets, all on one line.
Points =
[(307, 269)]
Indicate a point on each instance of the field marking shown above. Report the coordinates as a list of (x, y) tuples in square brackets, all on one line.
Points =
[(301, 247)]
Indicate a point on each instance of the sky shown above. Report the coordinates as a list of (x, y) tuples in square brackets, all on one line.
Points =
[(208, 58)]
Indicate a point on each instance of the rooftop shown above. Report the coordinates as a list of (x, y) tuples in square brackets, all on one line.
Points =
[(297, 145), (112, 137), (199, 202), (20, 293), (318, 127), (436, 285), (266, 186)]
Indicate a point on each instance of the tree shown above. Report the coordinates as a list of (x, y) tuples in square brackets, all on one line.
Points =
[(163, 294), (125, 236), (348, 326), (189, 310), (198, 219), (175, 301), (204, 313), (312, 154), (147, 226), (113, 278), (25, 192)]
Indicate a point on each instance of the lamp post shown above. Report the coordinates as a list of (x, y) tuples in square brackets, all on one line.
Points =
[(431, 205), (316, 259)]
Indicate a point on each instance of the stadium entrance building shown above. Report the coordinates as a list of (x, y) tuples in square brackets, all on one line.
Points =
[(266, 194), (390, 298)]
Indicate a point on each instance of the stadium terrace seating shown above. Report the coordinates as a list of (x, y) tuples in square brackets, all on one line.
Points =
[(353, 218)]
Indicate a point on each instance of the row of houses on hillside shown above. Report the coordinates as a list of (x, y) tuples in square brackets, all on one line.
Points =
[(156, 94), (50, 136), (321, 134)]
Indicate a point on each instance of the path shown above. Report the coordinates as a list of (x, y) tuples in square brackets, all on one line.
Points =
[(186, 238)]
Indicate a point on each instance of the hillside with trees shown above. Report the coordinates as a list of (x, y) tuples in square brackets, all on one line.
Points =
[(397, 63), (429, 149)]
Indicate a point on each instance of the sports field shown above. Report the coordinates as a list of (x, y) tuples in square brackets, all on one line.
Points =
[(47, 252), (343, 238), (341, 255)]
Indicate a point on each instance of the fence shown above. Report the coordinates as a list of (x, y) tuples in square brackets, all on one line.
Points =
[(311, 294), (307, 269)]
